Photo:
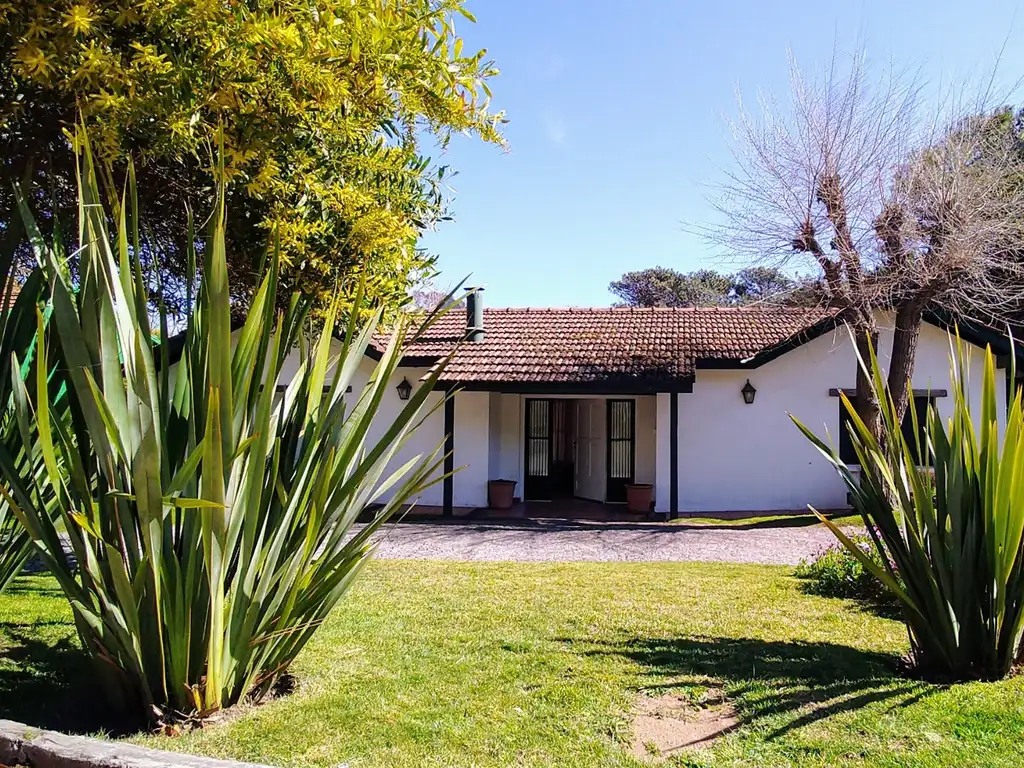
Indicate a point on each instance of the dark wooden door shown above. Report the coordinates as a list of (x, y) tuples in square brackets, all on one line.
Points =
[(538, 450), (549, 449), (621, 448)]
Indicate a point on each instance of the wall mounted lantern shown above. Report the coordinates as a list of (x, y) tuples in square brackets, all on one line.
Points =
[(404, 389), (748, 392)]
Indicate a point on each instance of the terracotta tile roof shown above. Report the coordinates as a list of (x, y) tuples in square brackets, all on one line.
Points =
[(606, 344)]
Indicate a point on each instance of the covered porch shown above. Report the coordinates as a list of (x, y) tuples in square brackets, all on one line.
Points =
[(570, 454)]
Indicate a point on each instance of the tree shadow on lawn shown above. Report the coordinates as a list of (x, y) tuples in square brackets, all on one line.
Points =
[(20, 587), (701, 522), (765, 679), (882, 604), (50, 683)]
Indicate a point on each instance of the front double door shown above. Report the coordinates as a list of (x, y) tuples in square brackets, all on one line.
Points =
[(582, 448)]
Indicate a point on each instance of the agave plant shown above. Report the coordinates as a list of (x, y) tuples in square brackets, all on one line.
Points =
[(952, 529), (209, 502)]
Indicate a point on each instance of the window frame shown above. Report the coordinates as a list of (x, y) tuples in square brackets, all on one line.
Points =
[(847, 454)]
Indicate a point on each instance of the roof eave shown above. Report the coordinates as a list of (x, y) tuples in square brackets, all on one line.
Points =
[(617, 386)]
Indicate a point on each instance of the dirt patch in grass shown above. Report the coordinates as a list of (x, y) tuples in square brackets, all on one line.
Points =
[(668, 724)]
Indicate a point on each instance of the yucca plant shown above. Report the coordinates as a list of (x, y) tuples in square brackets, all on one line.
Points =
[(951, 529), (210, 513)]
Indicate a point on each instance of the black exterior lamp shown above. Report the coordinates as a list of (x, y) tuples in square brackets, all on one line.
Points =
[(404, 389), (748, 393)]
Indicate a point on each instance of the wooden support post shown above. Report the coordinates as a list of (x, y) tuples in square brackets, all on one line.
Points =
[(449, 454)]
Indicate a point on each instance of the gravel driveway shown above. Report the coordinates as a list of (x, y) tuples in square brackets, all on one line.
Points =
[(606, 542)]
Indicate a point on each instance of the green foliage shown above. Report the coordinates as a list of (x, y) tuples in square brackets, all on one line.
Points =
[(210, 513), (15, 543), (15, 547), (953, 530), (836, 572), (17, 331), (663, 287), (322, 107)]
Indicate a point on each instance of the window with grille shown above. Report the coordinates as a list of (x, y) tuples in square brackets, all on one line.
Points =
[(920, 404)]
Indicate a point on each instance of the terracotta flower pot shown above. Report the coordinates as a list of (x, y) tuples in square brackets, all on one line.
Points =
[(501, 493), (639, 497)]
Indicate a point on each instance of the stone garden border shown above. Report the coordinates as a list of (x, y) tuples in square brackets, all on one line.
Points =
[(23, 745)]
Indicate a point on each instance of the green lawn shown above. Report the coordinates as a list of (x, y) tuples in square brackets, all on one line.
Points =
[(486, 664)]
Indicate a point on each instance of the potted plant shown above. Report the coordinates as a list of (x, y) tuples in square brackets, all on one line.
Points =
[(639, 497), (501, 493)]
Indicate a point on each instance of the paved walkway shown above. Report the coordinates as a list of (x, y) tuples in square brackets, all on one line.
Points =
[(608, 542)]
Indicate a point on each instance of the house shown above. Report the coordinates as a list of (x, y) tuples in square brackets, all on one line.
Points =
[(576, 403)]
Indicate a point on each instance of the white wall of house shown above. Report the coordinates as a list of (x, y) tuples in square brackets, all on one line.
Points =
[(472, 449), (738, 457), (424, 441), (473, 424), (471, 430), (646, 439), (505, 437)]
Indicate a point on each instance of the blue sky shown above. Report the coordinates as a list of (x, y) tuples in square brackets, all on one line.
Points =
[(616, 125)]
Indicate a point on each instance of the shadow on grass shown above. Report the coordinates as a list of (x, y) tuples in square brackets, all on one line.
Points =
[(796, 682), (50, 683), (780, 521), (46, 683), (878, 602), (19, 587)]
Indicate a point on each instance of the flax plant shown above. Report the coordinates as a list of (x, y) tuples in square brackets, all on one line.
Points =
[(17, 333), (949, 533), (208, 501)]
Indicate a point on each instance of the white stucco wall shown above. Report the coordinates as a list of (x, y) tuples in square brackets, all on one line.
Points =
[(738, 457), (494, 430), (510, 447), (472, 429), (424, 441), (472, 449), (646, 439), (472, 421)]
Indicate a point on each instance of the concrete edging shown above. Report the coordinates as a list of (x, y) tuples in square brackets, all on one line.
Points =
[(23, 745)]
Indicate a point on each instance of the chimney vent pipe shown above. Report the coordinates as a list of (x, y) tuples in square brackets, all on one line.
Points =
[(474, 314)]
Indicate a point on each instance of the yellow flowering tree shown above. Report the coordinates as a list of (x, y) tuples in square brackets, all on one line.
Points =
[(323, 106)]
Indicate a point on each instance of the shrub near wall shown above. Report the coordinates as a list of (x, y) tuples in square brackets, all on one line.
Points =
[(837, 572)]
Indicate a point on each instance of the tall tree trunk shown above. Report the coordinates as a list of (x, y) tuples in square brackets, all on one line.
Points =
[(867, 399), (906, 333)]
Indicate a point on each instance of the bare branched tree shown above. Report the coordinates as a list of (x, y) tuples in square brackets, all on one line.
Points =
[(427, 296), (897, 204)]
